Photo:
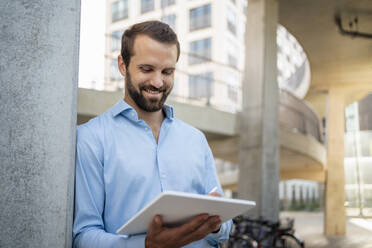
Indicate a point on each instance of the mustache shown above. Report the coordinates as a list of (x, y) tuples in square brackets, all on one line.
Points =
[(153, 88)]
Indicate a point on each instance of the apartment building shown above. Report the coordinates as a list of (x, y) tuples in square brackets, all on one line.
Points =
[(211, 35), (212, 38)]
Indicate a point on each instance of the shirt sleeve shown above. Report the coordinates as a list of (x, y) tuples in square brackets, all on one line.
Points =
[(89, 230), (212, 181)]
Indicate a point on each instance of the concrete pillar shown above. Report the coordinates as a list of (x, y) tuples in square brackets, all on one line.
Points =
[(335, 218), (38, 89), (259, 129)]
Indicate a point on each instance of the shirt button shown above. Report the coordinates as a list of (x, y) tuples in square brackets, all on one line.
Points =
[(146, 128), (163, 176), (132, 114)]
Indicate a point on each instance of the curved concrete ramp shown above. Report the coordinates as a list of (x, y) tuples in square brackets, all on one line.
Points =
[(301, 156)]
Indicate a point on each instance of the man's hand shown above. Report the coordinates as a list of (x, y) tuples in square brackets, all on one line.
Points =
[(159, 236)]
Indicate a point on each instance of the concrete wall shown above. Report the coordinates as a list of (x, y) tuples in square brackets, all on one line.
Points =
[(38, 89)]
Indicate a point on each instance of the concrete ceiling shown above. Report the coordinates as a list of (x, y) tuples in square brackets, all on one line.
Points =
[(335, 59)]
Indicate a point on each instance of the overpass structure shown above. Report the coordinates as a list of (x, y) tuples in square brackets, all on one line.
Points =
[(302, 152), (341, 73)]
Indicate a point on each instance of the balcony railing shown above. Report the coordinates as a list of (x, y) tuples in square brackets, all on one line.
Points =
[(294, 114), (298, 116)]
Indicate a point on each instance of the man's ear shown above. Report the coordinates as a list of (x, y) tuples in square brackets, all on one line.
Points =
[(121, 65)]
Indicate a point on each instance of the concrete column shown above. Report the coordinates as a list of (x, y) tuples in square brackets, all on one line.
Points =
[(259, 129), (38, 89), (335, 218)]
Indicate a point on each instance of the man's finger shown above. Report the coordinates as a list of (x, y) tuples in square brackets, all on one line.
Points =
[(156, 225), (209, 226), (203, 230), (215, 194), (193, 224)]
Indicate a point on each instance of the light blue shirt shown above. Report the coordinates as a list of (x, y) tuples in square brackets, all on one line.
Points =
[(120, 168)]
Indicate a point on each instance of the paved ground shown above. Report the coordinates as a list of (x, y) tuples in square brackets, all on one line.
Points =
[(309, 227)]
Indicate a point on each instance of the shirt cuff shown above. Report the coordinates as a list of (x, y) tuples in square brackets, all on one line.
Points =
[(222, 235)]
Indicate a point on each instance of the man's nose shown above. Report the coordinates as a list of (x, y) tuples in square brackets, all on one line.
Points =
[(157, 80)]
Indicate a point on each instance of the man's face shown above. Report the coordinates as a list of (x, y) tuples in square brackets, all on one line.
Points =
[(150, 74)]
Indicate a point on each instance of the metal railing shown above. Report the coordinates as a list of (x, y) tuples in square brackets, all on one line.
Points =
[(218, 85), (298, 116)]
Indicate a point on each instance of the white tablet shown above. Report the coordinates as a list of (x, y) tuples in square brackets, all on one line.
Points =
[(177, 208)]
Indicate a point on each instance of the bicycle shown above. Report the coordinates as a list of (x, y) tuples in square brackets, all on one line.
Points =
[(260, 233)]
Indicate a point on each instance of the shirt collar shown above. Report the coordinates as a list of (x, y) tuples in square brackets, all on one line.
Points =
[(168, 110), (121, 107)]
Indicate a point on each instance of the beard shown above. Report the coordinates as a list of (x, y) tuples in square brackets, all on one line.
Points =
[(146, 104)]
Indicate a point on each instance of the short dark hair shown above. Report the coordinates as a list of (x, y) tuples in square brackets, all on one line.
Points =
[(156, 30)]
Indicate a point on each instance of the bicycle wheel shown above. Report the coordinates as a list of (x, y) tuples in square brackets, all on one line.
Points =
[(287, 240), (241, 243)]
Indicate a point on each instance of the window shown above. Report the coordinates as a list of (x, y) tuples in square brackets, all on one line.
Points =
[(232, 92), (232, 60), (200, 17), (116, 40), (147, 5), (119, 10), (233, 86), (200, 85), (170, 20), (200, 51), (114, 71), (232, 53), (231, 21), (245, 4), (165, 3)]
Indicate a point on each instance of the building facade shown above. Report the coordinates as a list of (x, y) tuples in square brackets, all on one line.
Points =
[(211, 35)]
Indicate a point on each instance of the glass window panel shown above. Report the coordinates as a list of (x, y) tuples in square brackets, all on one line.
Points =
[(116, 40), (232, 53), (119, 10), (200, 85), (232, 86), (231, 21), (200, 51), (245, 4), (114, 71), (165, 3), (200, 17), (147, 5), (170, 20)]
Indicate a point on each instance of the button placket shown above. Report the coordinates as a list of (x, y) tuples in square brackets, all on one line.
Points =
[(161, 172)]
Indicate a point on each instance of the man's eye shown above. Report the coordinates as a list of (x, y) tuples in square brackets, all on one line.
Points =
[(146, 69), (168, 72)]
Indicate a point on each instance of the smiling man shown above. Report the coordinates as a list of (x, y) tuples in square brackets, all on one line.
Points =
[(138, 149)]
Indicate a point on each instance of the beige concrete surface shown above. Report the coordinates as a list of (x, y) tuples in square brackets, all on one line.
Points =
[(334, 58), (335, 177)]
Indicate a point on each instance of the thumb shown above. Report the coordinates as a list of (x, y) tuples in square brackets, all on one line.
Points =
[(157, 222), (155, 226)]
